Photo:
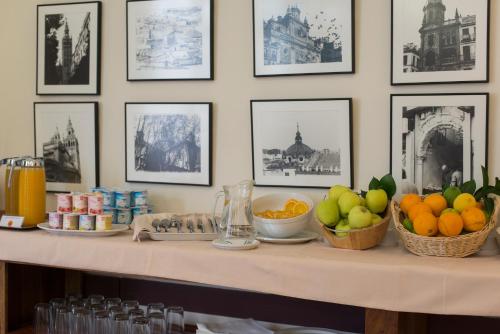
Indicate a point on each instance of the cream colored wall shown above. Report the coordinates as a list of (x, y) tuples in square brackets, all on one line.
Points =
[(231, 92)]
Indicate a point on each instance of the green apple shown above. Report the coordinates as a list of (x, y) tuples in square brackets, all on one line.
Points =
[(328, 212), (341, 227), (376, 219), (337, 191), (450, 194), (360, 217), (376, 200), (348, 201), (449, 210)]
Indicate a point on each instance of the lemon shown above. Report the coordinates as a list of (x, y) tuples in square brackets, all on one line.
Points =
[(463, 202)]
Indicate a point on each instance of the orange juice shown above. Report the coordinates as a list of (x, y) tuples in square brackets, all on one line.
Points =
[(12, 191), (32, 194)]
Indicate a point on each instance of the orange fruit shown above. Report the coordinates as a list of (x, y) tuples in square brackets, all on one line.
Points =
[(450, 224), (408, 201), (426, 224), (437, 202), (290, 204), (300, 208), (418, 209), (474, 219)]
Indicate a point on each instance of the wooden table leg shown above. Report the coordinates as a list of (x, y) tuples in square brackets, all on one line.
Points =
[(3, 297), (388, 322)]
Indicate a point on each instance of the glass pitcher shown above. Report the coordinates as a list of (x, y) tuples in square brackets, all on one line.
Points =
[(11, 186), (32, 191), (236, 220)]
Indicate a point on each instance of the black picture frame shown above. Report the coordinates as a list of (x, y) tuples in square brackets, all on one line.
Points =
[(209, 143), (482, 128), (93, 77), (94, 110), (210, 77), (440, 81), (352, 50), (349, 141)]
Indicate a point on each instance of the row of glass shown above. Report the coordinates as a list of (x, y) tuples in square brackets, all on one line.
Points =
[(99, 315)]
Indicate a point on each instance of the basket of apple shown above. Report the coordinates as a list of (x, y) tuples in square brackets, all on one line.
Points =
[(356, 221), (453, 223)]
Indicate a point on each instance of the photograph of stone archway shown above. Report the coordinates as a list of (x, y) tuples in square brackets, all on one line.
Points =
[(440, 144)]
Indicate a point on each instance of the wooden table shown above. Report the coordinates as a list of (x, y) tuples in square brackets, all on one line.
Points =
[(393, 285)]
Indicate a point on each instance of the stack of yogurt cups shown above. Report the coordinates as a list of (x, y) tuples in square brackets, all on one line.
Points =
[(77, 211), (123, 205)]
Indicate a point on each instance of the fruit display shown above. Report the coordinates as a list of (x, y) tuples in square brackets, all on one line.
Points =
[(344, 211), (292, 208)]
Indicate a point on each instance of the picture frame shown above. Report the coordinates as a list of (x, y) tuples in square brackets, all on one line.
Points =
[(302, 143), (168, 143), (445, 42), (325, 32), (180, 48), (67, 136), (69, 49), (439, 139)]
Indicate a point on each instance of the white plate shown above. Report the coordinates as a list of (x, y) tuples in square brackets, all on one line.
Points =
[(166, 236), (305, 330), (235, 244), (299, 238), (117, 228)]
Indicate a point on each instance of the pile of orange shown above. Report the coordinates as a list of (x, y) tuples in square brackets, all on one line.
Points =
[(431, 216), (292, 208)]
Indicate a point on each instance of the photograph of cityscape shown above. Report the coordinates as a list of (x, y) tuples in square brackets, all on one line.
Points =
[(444, 37), (293, 33), (168, 39)]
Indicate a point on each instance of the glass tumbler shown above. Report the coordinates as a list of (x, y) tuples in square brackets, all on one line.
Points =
[(155, 307), (157, 323), (110, 302), (140, 326), (96, 299), (41, 321), (101, 323), (62, 321), (54, 303), (130, 305), (82, 322), (175, 320), (120, 324)]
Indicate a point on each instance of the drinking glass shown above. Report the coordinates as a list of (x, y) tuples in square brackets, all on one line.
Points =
[(130, 305), (175, 320), (156, 307), (76, 304), (41, 323), (140, 326), (54, 303), (62, 320), (94, 308), (114, 310), (110, 302), (82, 322), (101, 323), (157, 323), (70, 298), (120, 324), (96, 299)]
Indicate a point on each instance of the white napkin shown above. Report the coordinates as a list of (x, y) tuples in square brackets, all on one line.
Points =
[(247, 326), (144, 222)]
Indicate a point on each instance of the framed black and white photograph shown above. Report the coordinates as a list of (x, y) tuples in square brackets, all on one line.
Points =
[(67, 136), (440, 41), (68, 48), (303, 37), (170, 40), (169, 143), (302, 143), (439, 139)]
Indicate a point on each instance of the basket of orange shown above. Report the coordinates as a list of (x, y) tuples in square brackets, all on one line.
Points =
[(454, 223)]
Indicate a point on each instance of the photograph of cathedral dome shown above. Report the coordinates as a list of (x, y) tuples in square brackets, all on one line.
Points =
[(434, 40), (304, 143), (68, 48), (299, 37)]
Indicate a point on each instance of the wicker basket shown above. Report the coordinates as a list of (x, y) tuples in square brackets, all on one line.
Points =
[(358, 239), (460, 246)]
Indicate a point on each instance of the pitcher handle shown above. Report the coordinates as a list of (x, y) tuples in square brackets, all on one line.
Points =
[(218, 222)]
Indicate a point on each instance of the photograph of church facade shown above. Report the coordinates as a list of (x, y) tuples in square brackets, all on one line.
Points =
[(293, 38), (67, 49), (299, 158), (446, 43), (62, 156)]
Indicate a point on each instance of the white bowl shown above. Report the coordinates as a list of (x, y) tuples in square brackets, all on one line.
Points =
[(280, 228)]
